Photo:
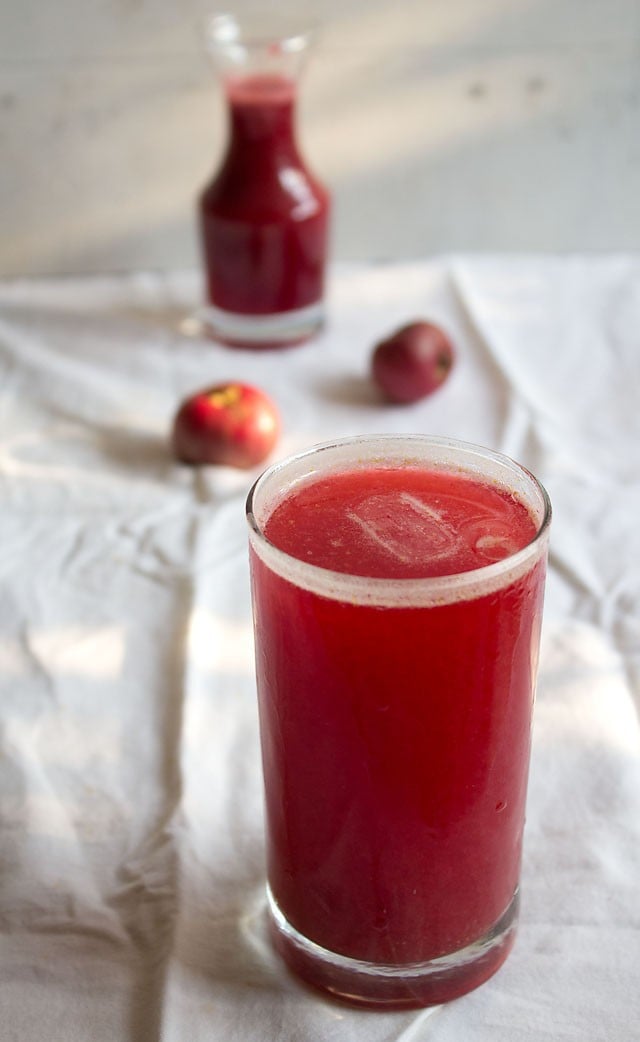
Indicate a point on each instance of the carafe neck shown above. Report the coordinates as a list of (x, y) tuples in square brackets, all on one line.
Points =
[(262, 111)]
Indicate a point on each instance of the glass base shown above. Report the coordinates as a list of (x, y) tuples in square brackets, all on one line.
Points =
[(283, 329), (407, 986)]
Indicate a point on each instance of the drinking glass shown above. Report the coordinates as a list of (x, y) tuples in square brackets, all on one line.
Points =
[(395, 714)]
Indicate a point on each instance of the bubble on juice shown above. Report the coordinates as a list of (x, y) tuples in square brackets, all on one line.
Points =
[(403, 524), (490, 537), (495, 547)]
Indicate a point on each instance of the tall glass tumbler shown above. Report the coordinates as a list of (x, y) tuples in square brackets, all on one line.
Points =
[(397, 587)]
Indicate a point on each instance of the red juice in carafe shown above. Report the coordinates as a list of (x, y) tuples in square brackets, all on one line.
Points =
[(264, 217), (396, 731)]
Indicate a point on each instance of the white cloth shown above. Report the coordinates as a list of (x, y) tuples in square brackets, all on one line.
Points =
[(131, 840)]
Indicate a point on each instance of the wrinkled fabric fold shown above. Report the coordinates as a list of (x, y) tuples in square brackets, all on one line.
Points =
[(131, 834)]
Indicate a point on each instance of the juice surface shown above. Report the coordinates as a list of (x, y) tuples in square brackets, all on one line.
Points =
[(264, 216), (400, 523), (395, 740)]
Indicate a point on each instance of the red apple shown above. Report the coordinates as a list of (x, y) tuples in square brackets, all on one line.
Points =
[(412, 362), (233, 424)]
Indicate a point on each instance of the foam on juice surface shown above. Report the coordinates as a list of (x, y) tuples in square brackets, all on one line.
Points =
[(400, 523)]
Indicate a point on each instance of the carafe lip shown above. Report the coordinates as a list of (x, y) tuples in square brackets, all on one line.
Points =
[(258, 44), (284, 32)]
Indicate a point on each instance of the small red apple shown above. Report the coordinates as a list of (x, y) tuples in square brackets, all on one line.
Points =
[(233, 424), (412, 362)]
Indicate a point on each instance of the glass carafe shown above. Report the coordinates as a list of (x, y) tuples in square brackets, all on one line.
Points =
[(264, 216)]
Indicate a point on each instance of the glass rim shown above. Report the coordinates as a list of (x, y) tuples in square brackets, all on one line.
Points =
[(409, 591)]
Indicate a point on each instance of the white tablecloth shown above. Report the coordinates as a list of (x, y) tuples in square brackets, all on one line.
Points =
[(130, 790)]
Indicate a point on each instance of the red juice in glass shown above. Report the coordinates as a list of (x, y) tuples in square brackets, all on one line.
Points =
[(397, 585)]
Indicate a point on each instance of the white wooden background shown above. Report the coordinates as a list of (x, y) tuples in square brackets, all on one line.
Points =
[(440, 125)]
